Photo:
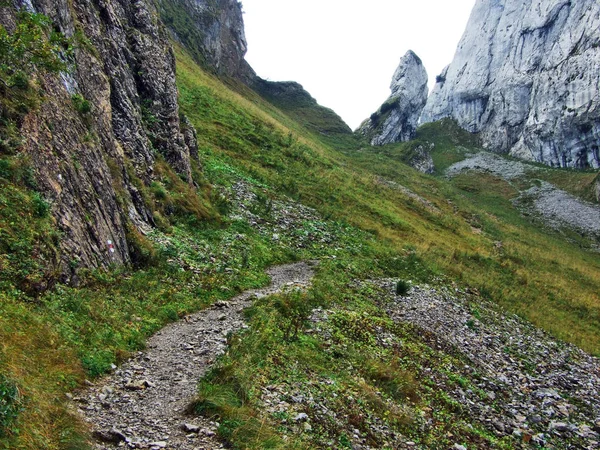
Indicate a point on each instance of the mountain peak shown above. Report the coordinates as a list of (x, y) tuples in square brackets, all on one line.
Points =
[(397, 119)]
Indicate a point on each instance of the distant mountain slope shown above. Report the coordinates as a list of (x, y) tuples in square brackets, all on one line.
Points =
[(213, 32), (525, 76), (292, 99)]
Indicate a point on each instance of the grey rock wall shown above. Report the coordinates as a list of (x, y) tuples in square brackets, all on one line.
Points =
[(397, 119), (84, 162), (526, 76)]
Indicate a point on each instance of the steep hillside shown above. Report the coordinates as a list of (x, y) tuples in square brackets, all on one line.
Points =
[(368, 356), (525, 76), (213, 33)]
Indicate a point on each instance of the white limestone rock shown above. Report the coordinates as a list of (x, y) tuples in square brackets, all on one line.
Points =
[(397, 119), (526, 75)]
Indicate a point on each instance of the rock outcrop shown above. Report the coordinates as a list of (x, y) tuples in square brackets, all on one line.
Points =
[(397, 119), (213, 32), (89, 162), (526, 77)]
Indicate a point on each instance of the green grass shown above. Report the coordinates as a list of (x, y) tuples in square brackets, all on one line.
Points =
[(362, 384), (53, 336), (476, 237)]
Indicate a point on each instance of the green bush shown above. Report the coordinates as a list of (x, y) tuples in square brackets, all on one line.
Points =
[(40, 206), (294, 308), (402, 287), (82, 105)]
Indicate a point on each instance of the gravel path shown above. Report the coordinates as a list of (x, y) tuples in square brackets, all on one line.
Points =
[(142, 404)]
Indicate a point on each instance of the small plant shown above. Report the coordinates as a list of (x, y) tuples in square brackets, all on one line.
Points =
[(41, 208), (10, 406), (402, 288), (82, 105), (471, 325), (294, 308)]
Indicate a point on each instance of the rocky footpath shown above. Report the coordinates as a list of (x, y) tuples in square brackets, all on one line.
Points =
[(525, 76), (518, 380), (397, 119), (143, 403)]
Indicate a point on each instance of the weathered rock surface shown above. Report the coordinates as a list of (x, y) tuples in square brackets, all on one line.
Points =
[(397, 119), (84, 161), (421, 158), (213, 31), (525, 76)]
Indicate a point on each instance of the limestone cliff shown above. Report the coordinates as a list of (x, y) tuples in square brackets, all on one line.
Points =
[(526, 77), (87, 161), (397, 119)]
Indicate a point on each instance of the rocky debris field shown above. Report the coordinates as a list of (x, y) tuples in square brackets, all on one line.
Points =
[(143, 403), (280, 219), (489, 162), (518, 380), (558, 209), (553, 206), (507, 375)]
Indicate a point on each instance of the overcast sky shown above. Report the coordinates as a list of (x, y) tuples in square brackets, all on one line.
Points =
[(344, 52)]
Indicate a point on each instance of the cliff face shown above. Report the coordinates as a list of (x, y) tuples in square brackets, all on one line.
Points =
[(213, 31), (526, 76), (397, 119), (85, 159)]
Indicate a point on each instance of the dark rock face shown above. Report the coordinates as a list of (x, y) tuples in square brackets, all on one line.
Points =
[(213, 31), (397, 119), (84, 161), (525, 76)]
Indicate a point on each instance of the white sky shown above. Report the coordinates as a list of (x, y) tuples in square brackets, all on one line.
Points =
[(344, 52)]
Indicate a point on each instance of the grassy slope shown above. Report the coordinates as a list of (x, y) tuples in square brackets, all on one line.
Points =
[(49, 343), (477, 238), (520, 274)]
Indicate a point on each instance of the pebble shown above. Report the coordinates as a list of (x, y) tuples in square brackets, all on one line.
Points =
[(301, 417)]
